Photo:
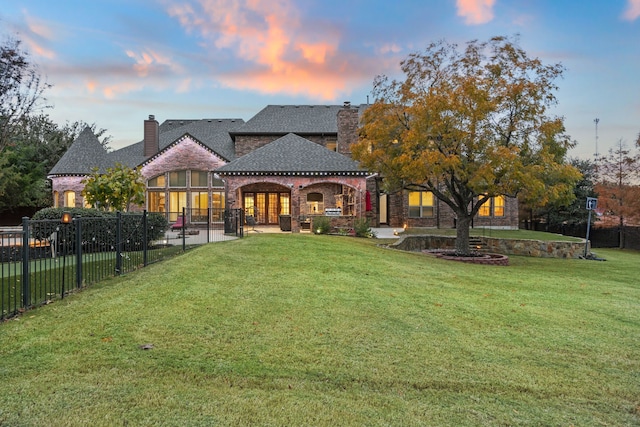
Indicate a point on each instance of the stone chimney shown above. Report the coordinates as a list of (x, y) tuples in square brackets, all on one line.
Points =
[(348, 121), (151, 136)]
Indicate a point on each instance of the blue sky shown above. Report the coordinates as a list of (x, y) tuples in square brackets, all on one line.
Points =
[(115, 62)]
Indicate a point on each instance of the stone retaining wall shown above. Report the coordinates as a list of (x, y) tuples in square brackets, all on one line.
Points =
[(533, 248)]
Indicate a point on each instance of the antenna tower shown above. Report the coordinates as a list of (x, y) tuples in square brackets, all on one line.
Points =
[(597, 154)]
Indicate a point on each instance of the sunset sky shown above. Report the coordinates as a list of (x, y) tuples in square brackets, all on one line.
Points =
[(113, 63)]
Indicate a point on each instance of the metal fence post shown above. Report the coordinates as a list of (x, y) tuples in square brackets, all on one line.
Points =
[(78, 224), (184, 229), (118, 243), (145, 246), (209, 219), (26, 297)]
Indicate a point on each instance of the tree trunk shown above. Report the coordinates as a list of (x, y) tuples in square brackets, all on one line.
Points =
[(462, 234), (621, 233)]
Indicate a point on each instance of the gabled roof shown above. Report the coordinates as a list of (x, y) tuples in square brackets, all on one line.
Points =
[(292, 154), (299, 119), (85, 153), (213, 133)]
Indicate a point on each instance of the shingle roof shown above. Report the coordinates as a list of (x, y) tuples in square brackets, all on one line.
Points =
[(213, 133), (85, 153), (300, 119), (292, 154)]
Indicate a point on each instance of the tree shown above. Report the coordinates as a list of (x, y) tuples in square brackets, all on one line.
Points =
[(467, 126), (21, 91), (617, 188), (116, 189), (36, 147), (559, 213)]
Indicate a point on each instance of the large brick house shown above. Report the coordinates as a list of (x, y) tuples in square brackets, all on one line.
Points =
[(288, 161)]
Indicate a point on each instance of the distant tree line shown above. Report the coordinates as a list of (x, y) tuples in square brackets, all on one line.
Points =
[(30, 142)]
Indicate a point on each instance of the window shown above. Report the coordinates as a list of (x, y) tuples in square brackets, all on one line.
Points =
[(285, 204), (494, 206), (56, 202), (315, 204), (217, 205), (157, 201), (70, 199), (199, 206), (178, 179), (177, 201), (332, 145), (216, 181), (158, 181), (421, 204), (198, 179)]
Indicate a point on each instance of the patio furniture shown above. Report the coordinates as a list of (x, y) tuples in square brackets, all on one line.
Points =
[(179, 224)]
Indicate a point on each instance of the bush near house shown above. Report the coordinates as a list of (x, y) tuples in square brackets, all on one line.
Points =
[(101, 234)]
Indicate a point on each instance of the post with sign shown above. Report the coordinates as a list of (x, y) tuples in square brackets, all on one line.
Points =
[(592, 204)]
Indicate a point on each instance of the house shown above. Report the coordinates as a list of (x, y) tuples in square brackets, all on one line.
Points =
[(283, 166)]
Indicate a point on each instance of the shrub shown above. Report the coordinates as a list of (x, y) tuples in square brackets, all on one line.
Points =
[(98, 228), (321, 225), (362, 228)]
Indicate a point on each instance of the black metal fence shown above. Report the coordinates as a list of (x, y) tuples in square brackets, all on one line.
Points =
[(600, 237), (46, 259)]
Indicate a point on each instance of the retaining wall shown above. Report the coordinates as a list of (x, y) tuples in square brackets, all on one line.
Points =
[(533, 248)]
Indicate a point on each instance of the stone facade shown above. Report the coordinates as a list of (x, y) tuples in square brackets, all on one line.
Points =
[(297, 187), (186, 154), (245, 144), (68, 183)]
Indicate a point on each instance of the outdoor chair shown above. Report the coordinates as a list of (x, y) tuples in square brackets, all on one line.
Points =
[(179, 224), (251, 220)]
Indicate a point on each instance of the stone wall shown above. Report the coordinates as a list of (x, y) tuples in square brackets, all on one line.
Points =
[(533, 248)]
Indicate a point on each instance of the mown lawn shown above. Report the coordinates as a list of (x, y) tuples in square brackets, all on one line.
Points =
[(293, 330)]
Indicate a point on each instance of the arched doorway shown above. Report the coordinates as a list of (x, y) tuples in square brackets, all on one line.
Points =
[(266, 202)]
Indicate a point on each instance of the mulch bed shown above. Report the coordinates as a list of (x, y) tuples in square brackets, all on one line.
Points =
[(474, 258)]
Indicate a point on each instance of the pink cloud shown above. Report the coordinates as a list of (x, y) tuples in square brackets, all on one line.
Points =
[(279, 52), (149, 61), (38, 36), (633, 10), (475, 12)]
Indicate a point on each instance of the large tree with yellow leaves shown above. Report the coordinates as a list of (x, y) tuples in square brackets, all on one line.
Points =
[(467, 125)]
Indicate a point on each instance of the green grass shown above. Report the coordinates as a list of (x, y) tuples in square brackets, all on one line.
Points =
[(330, 330)]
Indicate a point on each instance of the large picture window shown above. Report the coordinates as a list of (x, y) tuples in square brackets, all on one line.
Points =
[(421, 204)]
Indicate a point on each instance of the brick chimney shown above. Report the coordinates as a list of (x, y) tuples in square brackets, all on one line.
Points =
[(348, 121), (151, 136)]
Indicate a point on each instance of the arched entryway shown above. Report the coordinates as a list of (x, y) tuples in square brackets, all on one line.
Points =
[(266, 202)]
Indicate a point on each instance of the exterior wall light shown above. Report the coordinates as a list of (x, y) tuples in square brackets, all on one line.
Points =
[(66, 218)]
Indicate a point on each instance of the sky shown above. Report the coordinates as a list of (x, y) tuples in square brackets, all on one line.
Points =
[(115, 62)]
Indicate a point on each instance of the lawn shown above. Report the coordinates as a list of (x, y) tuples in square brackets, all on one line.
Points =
[(293, 330)]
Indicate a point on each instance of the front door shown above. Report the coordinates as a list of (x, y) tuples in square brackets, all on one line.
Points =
[(382, 206)]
